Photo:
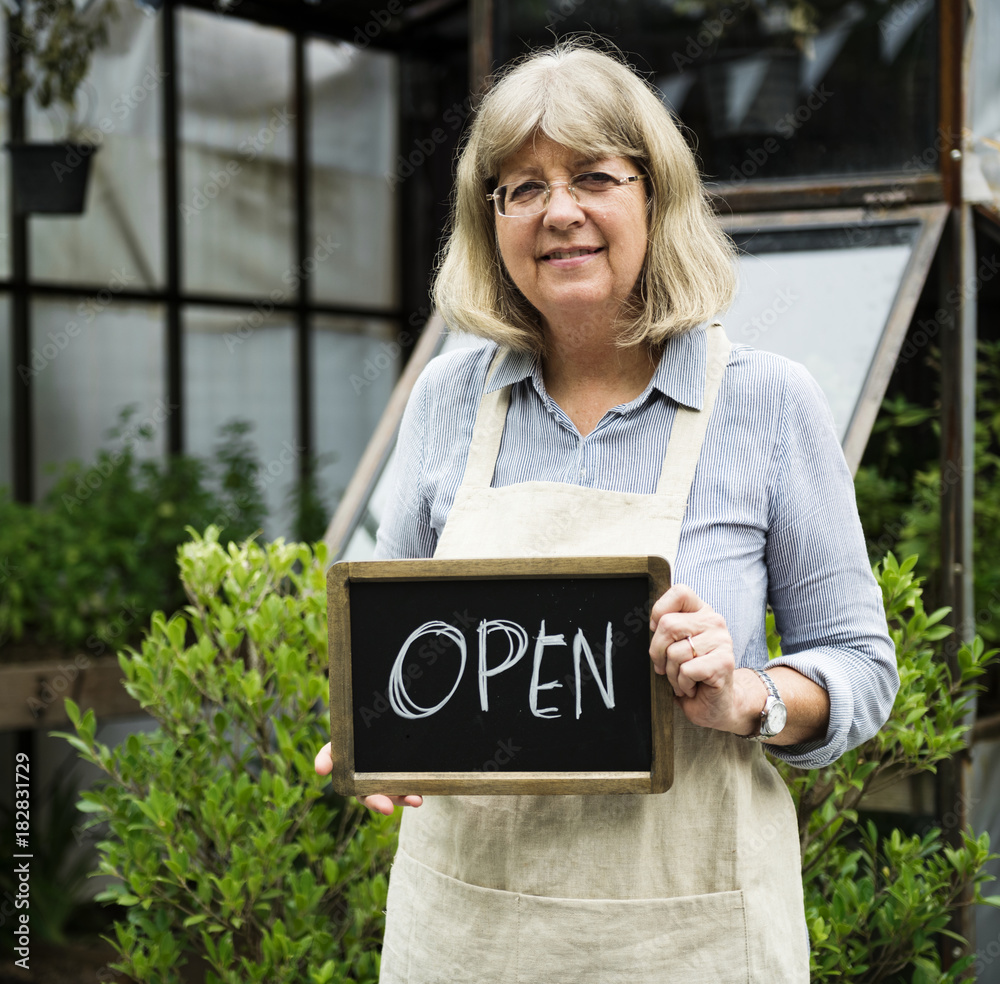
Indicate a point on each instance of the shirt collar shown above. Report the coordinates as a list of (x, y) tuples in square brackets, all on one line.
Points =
[(680, 374)]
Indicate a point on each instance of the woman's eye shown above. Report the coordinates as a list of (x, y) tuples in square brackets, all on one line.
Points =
[(525, 191), (595, 181)]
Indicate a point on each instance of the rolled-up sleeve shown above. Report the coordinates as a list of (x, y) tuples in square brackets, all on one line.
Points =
[(826, 602)]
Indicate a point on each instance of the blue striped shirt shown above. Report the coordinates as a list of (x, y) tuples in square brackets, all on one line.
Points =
[(771, 517)]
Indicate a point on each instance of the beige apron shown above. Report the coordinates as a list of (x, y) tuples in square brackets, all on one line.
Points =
[(698, 885)]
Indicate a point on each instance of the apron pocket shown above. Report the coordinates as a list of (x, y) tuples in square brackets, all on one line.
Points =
[(443, 931), (698, 939)]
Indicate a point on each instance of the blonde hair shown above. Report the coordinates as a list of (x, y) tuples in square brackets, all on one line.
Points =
[(596, 105)]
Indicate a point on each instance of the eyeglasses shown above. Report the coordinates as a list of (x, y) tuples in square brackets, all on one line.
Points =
[(524, 198)]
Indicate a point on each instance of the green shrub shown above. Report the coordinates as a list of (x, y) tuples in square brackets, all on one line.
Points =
[(224, 843), (900, 484), (876, 901), (89, 564)]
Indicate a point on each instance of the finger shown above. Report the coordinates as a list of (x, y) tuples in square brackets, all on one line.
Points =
[(675, 655), (324, 761), (713, 670), (679, 598), (671, 640), (679, 655), (386, 805)]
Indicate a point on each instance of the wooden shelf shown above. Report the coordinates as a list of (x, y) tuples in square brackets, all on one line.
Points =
[(32, 694)]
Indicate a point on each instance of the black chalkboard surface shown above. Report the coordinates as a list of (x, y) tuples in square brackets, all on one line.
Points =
[(497, 676)]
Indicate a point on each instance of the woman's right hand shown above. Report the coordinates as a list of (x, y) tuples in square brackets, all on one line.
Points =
[(376, 801)]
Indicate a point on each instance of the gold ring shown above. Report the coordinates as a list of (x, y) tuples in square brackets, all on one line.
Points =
[(691, 644)]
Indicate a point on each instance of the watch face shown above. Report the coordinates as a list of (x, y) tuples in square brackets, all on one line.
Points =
[(776, 718)]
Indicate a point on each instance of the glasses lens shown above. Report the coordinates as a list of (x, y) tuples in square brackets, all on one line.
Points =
[(523, 198), (592, 185)]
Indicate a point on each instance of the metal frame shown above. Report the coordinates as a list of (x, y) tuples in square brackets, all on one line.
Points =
[(931, 219), (172, 295)]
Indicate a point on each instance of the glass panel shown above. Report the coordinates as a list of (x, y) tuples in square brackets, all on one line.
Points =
[(354, 105), (361, 543), (89, 364), (771, 88), (821, 297), (355, 364), (6, 396), (236, 210), (118, 109), (239, 365)]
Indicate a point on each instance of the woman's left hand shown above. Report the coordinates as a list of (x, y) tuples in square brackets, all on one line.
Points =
[(692, 645)]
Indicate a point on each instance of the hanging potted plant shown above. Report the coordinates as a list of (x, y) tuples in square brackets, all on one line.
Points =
[(52, 43)]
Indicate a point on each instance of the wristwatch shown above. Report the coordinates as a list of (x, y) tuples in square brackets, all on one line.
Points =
[(774, 715)]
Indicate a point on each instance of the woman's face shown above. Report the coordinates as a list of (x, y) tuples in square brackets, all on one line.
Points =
[(573, 263)]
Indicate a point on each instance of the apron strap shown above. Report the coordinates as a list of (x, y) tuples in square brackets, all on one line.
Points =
[(688, 431), (488, 430)]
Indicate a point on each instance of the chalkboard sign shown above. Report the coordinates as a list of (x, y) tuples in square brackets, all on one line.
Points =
[(497, 676)]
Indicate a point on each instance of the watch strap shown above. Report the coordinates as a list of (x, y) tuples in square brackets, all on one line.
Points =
[(772, 697)]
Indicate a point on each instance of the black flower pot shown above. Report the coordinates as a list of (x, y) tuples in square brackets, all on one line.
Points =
[(50, 177)]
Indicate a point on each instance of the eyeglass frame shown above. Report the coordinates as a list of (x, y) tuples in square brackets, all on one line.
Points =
[(621, 182)]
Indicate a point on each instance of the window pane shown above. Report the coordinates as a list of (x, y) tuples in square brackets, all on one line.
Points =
[(236, 202), (355, 364), (239, 365), (354, 107), (119, 111), (6, 396), (361, 541), (771, 89), (815, 297), (88, 367)]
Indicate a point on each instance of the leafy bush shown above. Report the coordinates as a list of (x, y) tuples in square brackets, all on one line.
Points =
[(900, 484), (223, 842), (875, 902), (90, 564)]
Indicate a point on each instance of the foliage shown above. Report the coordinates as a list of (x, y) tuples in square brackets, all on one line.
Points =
[(57, 41), (90, 563), (899, 488), (223, 842), (876, 902), (308, 501)]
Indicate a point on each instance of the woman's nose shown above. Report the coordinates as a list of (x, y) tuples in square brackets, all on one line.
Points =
[(563, 209)]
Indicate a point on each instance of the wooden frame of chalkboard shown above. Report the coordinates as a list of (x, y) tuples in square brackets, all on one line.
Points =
[(384, 740)]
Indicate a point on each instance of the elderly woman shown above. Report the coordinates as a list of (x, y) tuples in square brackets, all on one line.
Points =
[(612, 416)]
